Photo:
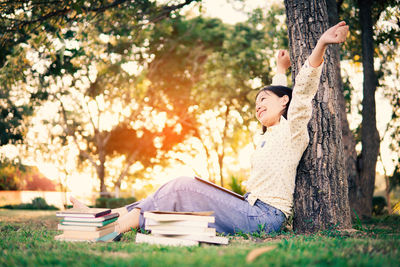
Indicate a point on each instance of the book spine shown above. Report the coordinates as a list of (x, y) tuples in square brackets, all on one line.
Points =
[(62, 237), (106, 238), (87, 234), (89, 213), (87, 219), (150, 222), (84, 228), (206, 239), (77, 228), (99, 224), (75, 215), (178, 217), (158, 240), (209, 232), (180, 228)]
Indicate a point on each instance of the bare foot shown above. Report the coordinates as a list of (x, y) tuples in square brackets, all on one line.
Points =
[(77, 204), (128, 221)]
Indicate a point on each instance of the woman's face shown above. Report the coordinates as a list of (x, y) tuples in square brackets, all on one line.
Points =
[(269, 107)]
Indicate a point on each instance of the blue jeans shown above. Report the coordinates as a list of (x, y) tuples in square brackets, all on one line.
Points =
[(231, 214)]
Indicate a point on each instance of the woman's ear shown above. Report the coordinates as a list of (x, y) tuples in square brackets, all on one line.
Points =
[(284, 100)]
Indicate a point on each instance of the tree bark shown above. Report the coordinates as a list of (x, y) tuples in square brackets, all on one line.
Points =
[(369, 133), (349, 143), (321, 193)]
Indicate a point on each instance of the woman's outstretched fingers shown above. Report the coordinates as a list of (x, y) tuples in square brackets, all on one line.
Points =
[(342, 23), (336, 34), (342, 33)]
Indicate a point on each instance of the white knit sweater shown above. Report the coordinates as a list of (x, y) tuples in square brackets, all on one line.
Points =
[(280, 148)]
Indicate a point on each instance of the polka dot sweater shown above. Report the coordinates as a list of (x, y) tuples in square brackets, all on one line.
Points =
[(280, 148)]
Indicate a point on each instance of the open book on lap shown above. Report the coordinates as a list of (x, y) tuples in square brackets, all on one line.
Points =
[(220, 188)]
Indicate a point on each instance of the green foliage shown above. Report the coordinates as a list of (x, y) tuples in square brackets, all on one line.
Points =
[(386, 43), (11, 118), (378, 205), (358, 223), (10, 174), (37, 24), (73, 50), (186, 67), (16, 176), (236, 185), (261, 234), (38, 203), (112, 203), (30, 241), (202, 65), (394, 180)]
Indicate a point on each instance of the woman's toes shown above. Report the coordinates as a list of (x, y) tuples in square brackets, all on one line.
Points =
[(76, 203)]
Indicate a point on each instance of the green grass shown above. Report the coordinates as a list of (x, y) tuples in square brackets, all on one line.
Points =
[(26, 239)]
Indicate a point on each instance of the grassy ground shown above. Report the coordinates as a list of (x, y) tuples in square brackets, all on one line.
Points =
[(26, 239)]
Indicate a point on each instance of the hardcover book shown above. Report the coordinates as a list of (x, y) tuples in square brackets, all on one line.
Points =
[(114, 236), (84, 213), (221, 240), (87, 234), (84, 228), (88, 223), (161, 240), (180, 229), (183, 231), (220, 188), (150, 222), (86, 219), (162, 216)]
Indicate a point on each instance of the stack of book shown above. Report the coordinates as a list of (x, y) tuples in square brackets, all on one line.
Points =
[(179, 229), (91, 224)]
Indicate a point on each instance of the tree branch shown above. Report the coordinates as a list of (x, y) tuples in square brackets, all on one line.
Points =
[(68, 133)]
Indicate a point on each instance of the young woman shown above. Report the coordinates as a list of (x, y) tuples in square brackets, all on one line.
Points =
[(284, 116)]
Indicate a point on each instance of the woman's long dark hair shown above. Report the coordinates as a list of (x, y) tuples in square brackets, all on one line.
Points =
[(280, 91)]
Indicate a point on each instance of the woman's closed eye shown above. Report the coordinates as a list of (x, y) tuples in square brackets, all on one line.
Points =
[(262, 99)]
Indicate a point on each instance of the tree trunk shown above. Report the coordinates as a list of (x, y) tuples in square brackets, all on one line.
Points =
[(100, 167), (321, 193), (221, 153), (128, 163), (101, 173), (387, 193), (208, 156), (349, 143), (369, 133)]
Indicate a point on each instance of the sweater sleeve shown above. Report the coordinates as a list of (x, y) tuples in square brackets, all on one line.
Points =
[(300, 109), (279, 79)]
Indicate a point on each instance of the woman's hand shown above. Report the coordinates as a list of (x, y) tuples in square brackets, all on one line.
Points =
[(283, 61), (334, 35)]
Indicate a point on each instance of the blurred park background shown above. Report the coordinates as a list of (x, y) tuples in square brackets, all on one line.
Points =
[(108, 100)]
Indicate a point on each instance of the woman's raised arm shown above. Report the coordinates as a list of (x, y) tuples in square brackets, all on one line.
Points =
[(283, 63), (306, 85), (334, 35)]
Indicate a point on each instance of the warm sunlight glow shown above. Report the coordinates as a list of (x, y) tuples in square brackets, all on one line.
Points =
[(191, 157)]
